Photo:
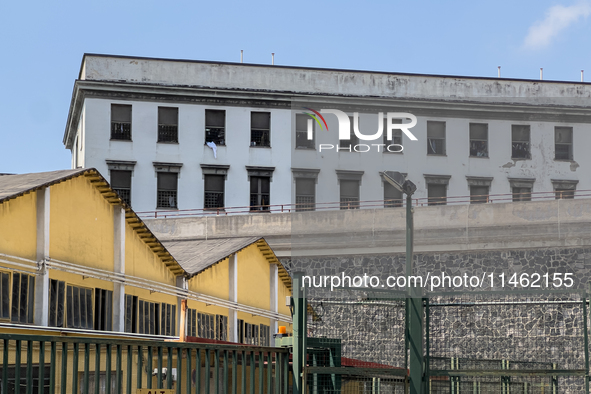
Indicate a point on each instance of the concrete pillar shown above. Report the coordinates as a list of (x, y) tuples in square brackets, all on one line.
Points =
[(41, 314), (274, 286), (233, 297), (119, 268), (181, 283)]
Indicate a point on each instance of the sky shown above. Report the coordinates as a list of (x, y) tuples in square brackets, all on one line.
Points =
[(42, 43)]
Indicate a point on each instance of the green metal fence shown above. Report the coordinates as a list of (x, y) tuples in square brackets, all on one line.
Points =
[(82, 365)]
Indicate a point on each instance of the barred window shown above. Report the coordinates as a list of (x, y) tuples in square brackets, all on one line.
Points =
[(478, 194), (103, 310), (392, 196), (478, 140), (260, 129), (205, 325), (4, 295), (214, 191), (520, 142), (23, 289), (305, 194), (131, 313), (437, 194), (265, 335), (251, 334), (168, 121), (349, 194), (221, 333), (260, 193), (435, 138), (57, 292), (192, 322), (215, 126), (167, 190), (241, 331), (121, 122), (563, 143), (168, 319), (396, 136), (353, 139), (303, 123), (521, 193), (121, 183), (149, 314), (79, 308)]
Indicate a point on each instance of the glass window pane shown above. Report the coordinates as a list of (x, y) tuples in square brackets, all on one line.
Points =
[(120, 113), (168, 116), (302, 122), (563, 134), (214, 183), (305, 186), (261, 120), (120, 179), (478, 131), (349, 188), (167, 181), (435, 129), (215, 118), (520, 133)]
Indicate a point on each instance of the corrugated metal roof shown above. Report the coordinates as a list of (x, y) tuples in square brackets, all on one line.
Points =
[(199, 254), (12, 186)]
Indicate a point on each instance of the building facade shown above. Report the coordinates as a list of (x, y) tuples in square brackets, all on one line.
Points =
[(76, 259), (176, 134)]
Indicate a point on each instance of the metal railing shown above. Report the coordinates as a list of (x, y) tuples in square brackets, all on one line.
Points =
[(53, 364), (368, 204)]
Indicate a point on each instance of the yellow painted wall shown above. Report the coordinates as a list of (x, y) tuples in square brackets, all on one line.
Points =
[(214, 281), (253, 278), (142, 262), (81, 224), (18, 226)]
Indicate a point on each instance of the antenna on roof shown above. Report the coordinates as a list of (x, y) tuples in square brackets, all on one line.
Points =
[(499, 70), (273, 58), (541, 73), (582, 78), (241, 55)]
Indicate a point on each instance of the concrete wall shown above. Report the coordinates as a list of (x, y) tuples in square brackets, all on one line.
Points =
[(323, 81), (519, 225)]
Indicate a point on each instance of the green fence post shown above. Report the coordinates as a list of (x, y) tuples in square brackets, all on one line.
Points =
[(52, 367), (108, 368), (159, 366), (86, 366), (97, 368), (234, 371), (5, 351), (29, 386), (64, 370), (169, 368), (75, 356), (140, 357), (149, 364), (207, 368), (189, 371), (41, 374), (216, 374), (179, 374)]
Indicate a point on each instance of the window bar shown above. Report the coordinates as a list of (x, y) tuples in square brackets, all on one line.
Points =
[(269, 374), (243, 380), (86, 366), (118, 388), (29, 375), (198, 370), (252, 368), (261, 368), (179, 366), (169, 368), (41, 374), (63, 373), (159, 365), (234, 371), (139, 367), (216, 373), (225, 383), (189, 370), (52, 367), (74, 370), (149, 369), (207, 367), (97, 368), (108, 369), (17, 364)]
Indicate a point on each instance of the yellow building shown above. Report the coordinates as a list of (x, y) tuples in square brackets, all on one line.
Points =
[(74, 256)]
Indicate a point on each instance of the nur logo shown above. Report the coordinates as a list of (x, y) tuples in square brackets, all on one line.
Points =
[(344, 124)]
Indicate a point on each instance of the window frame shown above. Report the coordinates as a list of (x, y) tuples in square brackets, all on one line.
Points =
[(259, 195), (311, 144), (429, 139), (223, 128), (221, 195), (70, 321), (305, 201), (515, 128), (570, 144), (396, 136), (124, 192), (160, 191), (476, 140), (168, 133), (353, 139), (267, 142), (126, 132)]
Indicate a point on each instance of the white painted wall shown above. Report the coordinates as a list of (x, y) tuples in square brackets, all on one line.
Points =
[(96, 148)]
